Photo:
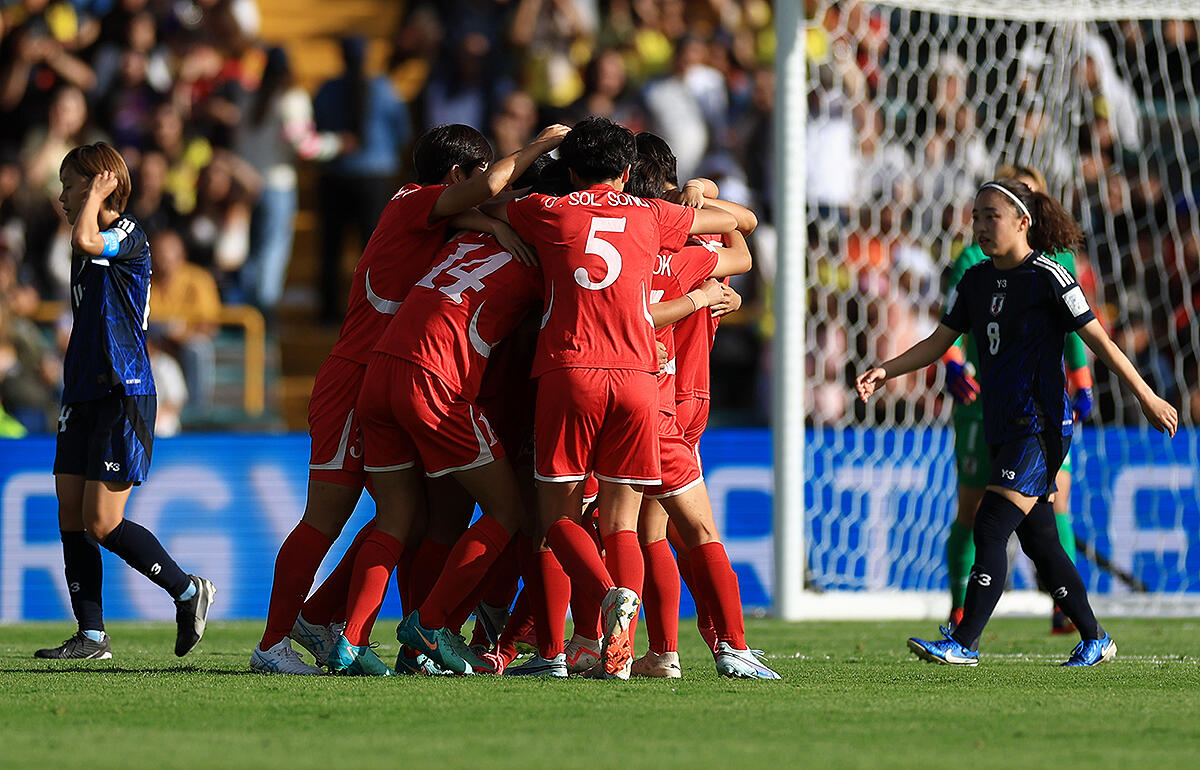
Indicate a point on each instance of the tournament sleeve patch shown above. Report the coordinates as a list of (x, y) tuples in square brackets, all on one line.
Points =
[(951, 300), (1076, 302)]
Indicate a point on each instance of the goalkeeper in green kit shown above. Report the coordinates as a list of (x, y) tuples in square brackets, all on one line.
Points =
[(970, 450)]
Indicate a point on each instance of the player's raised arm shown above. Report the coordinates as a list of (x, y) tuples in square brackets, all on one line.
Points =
[(746, 219), (472, 188), (1160, 414), (733, 259), (917, 357), (713, 221), (85, 233)]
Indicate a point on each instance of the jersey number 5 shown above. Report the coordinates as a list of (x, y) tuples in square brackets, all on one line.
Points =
[(603, 249)]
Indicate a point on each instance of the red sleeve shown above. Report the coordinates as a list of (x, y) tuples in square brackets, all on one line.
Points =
[(417, 203), (693, 265), (674, 224), (525, 214)]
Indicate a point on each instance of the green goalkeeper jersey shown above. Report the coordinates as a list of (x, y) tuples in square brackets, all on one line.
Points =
[(1073, 350)]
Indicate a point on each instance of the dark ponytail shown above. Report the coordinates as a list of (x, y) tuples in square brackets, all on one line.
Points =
[(1053, 228)]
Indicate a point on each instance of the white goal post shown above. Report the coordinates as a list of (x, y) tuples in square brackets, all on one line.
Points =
[(888, 117)]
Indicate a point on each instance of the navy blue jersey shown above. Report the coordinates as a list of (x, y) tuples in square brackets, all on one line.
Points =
[(110, 302), (1019, 319)]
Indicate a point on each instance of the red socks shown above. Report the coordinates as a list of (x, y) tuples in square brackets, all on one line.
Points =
[(330, 597), (295, 566), (550, 604), (576, 552), (623, 557), (372, 567), (426, 569), (466, 567), (661, 602), (716, 581), (704, 623)]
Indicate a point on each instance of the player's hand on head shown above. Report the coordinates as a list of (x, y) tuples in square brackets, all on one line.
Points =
[(553, 135), (512, 243), (869, 381), (1162, 416), (103, 183), (1081, 404), (960, 383)]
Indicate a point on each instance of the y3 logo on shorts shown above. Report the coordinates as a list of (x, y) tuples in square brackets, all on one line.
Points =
[(63, 416), (1007, 474), (111, 466), (982, 578)]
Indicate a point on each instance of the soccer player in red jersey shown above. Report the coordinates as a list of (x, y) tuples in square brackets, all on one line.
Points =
[(418, 405), (597, 396), (455, 173), (682, 495)]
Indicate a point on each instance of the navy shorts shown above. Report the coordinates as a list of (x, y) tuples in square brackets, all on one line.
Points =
[(1029, 464), (108, 439)]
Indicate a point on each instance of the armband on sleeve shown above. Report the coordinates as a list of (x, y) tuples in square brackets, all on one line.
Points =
[(112, 242)]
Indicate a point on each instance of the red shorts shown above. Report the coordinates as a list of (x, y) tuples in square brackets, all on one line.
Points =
[(601, 420), (692, 414), (591, 489), (680, 460), (408, 413), (337, 446)]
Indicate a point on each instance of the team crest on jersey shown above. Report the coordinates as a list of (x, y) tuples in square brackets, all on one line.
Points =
[(997, 303)]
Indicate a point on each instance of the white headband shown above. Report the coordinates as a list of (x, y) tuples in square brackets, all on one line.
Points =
[(1015, 199)]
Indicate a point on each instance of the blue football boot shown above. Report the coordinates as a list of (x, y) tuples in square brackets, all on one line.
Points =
[(946, 651), (1093, 652)]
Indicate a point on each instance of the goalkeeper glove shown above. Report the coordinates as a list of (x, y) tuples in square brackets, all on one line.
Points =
[(1081, 382), (960, 383)]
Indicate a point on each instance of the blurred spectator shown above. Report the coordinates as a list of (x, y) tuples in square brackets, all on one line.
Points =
[(551, 38), (152, 203), (607, 93), (675, 111), (36, 57), (171, 386), (515, 124), (45, 148), (1133, 335), (184, 312), (277, 130), (186, 155), (30, 372), (354, 187), (217, 231)]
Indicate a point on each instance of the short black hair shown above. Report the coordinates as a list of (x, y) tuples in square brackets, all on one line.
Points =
[(533, 173), (654, 146), (441, 148), (647, 178), (554, 178), (597, 149)]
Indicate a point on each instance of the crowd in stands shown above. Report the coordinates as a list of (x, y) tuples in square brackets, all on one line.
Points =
[(900, 136)]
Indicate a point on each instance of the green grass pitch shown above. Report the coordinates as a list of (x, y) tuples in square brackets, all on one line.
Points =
[(851, 696)]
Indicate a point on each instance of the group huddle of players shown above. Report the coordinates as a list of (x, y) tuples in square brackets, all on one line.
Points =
[(531, 336)]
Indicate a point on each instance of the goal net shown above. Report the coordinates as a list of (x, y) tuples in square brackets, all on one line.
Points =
[(910, 106)]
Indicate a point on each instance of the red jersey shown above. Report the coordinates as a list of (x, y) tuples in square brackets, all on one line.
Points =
[(396, 256), (694, 337), (473, 297), (598, 248), (674, 276)]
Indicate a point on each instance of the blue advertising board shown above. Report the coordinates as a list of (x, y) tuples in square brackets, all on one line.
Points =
[(879, 504)]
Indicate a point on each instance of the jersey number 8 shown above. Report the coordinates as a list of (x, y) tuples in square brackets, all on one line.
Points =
[(993, 333)]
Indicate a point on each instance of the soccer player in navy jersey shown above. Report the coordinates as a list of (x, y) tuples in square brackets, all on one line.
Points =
[(1020, 305), (106, 428)]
